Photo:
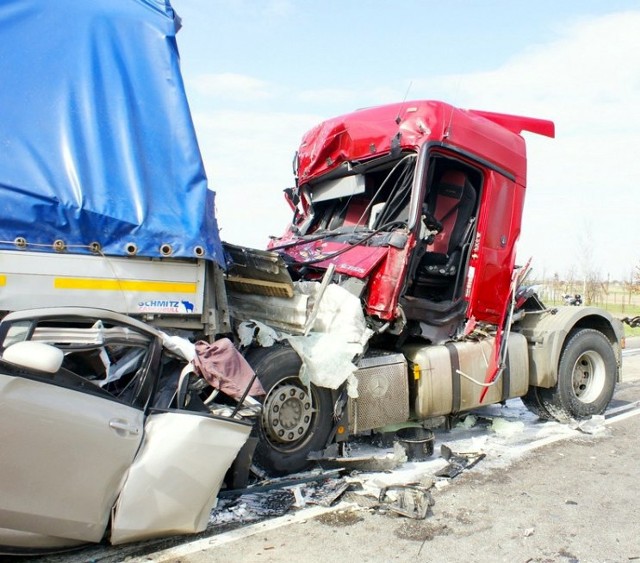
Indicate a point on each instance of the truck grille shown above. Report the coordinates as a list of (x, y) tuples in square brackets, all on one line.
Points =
[(383, 390)]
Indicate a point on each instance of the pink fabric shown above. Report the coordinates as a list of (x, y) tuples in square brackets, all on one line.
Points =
[(225, 368)]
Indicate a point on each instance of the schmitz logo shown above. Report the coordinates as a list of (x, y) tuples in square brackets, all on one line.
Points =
[(175, 306)]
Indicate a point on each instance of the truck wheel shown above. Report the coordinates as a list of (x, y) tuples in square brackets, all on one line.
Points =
[(534, 404), (586, 377), (295, 420)]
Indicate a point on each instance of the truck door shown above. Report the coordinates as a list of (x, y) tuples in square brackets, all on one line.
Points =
[(493, 253)]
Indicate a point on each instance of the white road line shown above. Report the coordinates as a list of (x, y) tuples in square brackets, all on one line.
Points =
[(623, 416), (239, 533)]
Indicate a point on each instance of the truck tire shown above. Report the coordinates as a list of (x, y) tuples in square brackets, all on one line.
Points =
[(534, 404), (586, 377), (294, 422)]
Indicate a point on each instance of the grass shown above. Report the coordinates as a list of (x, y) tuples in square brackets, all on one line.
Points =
[(628, 331), (618, 310)]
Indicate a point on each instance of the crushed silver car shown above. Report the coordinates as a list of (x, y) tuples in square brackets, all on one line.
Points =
[(105, 434)]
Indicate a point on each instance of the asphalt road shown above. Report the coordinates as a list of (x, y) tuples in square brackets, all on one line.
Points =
[(573, 500), (567, 499)]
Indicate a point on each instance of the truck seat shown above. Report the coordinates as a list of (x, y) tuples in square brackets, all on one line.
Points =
[(451, 201)]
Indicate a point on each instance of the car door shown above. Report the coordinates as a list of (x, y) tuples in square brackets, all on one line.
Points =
[(174, 481)]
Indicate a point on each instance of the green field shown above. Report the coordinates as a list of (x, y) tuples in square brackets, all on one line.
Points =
[(619, 302)]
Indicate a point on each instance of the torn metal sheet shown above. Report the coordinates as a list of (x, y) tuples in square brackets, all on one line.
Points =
[(457, 462), (253, 271), (162, 497), (338, 332), (408, 500), (282, 482), (339, 335), (250, 507), (277, 496), (327, 493)]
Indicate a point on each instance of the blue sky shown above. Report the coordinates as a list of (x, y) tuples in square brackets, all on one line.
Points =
[(260, 73)]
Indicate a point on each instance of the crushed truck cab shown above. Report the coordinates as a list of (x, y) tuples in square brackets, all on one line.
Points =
[(436, 192), (414, 210)]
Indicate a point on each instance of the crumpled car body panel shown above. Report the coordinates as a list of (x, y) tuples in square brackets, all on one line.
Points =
[(62, 465), (163, 497), (96, 435)]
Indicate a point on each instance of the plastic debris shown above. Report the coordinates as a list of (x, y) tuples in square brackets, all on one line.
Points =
[(507, 428), (593, 425), (468, 422)]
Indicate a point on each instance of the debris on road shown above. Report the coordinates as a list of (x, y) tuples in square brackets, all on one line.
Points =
[(407, 500), (593, 425), (458, 462)]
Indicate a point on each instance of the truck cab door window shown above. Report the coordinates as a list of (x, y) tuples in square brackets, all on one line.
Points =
[(438, 269)]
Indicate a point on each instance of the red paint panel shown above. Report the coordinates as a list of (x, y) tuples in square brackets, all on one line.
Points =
[(387, 282), (371, 132), (357, 261), (494, 249)]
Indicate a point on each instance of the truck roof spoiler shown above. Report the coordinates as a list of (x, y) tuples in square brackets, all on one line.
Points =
[(518, 123)]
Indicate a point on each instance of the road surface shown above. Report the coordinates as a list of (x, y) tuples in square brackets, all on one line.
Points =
[(544, 493)]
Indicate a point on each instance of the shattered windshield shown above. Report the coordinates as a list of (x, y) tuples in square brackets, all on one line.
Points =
[(374, 199)]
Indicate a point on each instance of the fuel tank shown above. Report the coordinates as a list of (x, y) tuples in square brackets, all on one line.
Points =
[(448, 379)]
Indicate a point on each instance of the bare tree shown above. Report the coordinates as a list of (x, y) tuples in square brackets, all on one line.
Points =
[(593, 287), (570, 280), (556, 288), (630, 286)]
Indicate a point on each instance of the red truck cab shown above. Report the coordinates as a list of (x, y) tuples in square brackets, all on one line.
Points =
[(418, 206)]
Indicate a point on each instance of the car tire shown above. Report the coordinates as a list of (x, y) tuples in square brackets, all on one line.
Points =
[(295, 420), (587, 374)]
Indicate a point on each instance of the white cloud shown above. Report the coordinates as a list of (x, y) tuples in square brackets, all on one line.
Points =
[(588, 83), (279, 8), (230, 86)]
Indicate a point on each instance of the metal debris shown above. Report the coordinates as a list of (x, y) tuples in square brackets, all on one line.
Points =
[(407, 500), (369, 462), (458, 462), (327, 493), (251, 507)]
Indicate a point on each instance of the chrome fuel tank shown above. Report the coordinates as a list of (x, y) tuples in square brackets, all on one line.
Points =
[(439, 387)]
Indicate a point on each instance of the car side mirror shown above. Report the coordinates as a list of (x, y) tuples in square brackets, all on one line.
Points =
[(34, 355)]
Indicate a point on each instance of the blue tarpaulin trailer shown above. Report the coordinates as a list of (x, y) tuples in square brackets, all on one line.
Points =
[(98, 148)]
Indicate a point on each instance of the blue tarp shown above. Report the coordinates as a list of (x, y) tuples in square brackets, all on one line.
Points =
[(97, 143)]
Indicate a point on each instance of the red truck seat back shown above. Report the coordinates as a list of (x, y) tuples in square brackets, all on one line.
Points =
[(451, 202)]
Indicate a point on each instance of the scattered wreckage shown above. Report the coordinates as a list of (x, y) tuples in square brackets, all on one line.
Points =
[(392, 298)]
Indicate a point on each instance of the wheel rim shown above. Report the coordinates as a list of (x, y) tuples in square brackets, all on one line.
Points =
[(288, 413), (589, 376)]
